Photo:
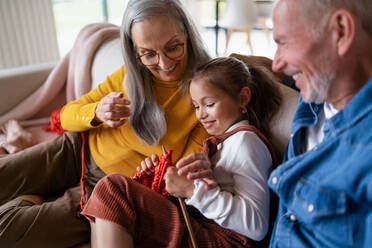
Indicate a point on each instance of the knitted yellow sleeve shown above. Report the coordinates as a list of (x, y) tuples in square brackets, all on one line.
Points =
[(78, 114)]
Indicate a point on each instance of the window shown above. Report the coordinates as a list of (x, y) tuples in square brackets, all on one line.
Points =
[(72, 15)]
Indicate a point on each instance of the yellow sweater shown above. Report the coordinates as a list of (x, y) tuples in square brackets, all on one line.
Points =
[(118, 150)]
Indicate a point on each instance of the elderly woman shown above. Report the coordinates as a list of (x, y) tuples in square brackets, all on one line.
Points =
[(125, 119)]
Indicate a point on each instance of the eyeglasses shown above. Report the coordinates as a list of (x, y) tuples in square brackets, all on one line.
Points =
[(173, 52)]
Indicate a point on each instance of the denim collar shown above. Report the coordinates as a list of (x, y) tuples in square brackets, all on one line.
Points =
[(359, 106), (305, 115)]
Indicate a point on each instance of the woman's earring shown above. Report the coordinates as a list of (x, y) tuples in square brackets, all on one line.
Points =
[(244, 110)]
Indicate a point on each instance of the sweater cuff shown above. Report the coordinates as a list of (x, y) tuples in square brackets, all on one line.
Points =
[(87, 114), (78, 117)]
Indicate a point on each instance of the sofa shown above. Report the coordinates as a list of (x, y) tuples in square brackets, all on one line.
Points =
[(18, 83)]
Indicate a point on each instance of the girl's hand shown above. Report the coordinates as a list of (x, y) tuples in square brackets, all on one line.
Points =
[(176, 185), (112, 110), (197, 166), (148, 164)]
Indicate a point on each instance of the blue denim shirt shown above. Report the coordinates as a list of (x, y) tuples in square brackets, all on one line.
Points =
[(326, 193)]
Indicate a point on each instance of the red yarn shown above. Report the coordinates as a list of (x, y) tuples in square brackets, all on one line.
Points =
[(154, 180), (55, 123), (82, 176), (144, 178)]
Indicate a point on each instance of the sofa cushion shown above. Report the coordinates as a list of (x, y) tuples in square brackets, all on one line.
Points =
[(280, 125)]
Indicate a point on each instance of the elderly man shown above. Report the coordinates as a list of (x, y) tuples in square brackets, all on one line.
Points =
[(325, 182)]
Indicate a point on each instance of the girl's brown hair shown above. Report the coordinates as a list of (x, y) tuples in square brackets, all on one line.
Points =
[(231, 75)]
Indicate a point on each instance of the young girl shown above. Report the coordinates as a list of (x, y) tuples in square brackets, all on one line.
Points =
[(225, 187)]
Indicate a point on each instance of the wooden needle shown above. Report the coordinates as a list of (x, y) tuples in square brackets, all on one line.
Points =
[(185, 215)]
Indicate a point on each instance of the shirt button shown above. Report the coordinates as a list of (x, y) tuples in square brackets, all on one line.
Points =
[(292, 218), (310, 208), (274, 180)]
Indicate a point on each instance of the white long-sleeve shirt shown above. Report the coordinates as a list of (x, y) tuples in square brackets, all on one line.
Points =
[(241, 200)]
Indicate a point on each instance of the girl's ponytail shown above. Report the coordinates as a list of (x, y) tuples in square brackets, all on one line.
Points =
[(266, 97)]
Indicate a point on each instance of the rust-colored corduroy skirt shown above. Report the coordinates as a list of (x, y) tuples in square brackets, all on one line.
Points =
[(152, 220)]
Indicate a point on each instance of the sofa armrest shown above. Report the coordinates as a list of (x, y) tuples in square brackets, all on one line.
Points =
[(18, 83)]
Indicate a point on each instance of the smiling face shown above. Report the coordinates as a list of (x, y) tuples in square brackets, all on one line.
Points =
[(215, 109), (159, 35), (302, 55)]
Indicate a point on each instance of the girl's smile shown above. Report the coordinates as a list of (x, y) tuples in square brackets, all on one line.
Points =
[(215, 109)]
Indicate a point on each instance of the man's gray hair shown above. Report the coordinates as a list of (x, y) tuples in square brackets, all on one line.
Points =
[(317, 10), (147, 117)]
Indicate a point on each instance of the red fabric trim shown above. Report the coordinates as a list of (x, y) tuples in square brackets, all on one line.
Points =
[(82, 175), (82, 171), (210, 144)]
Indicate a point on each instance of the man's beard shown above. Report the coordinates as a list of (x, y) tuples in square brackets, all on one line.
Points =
[(318, 87)]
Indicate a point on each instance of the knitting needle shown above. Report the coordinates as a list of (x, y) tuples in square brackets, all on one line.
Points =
[(185, 215)]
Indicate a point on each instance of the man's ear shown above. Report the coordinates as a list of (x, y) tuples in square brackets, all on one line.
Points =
[(245, 96), (343, 30)]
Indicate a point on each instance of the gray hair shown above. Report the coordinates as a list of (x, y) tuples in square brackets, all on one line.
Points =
[(319, 11), (148, 119)]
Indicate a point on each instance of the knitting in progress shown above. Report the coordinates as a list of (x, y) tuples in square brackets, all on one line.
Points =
[(154, 180)]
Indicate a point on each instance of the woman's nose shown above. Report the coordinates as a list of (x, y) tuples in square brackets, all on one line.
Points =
[(164, 62)]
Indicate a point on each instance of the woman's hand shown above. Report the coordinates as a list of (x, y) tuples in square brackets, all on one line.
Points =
[(148, 164), (112, 110), (176, 185), (197, 166)]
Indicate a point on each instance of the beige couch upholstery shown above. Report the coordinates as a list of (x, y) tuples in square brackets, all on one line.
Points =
[(18, 83)]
